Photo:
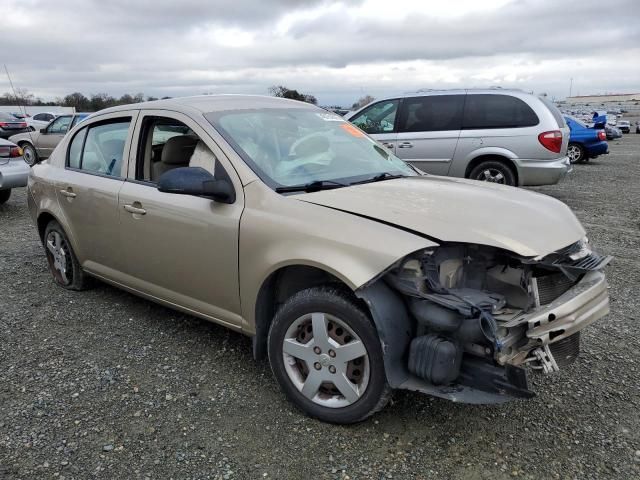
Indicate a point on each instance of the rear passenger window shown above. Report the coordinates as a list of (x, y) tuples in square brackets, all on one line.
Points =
[(432, 113), (497, 111), (99, 148)]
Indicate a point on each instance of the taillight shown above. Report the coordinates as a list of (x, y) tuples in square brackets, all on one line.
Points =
[(15, 152), (602, 135), (4, 124), (551, 140)]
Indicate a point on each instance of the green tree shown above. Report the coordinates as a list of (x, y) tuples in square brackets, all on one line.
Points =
[(284, 92)]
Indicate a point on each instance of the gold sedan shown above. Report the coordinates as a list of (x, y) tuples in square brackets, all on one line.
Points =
[(352, 271)]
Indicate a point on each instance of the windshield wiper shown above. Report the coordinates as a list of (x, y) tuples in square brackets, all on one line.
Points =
[(379, 178), (314, 186)]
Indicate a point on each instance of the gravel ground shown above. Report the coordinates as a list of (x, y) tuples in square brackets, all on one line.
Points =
[(102, 384)]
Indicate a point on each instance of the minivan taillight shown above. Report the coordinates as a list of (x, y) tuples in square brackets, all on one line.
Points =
[(551, 140), (602, 135)]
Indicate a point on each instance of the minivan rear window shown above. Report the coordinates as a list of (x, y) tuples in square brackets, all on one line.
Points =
[(497, 111)]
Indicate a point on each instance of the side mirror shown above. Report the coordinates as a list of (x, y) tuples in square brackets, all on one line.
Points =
[(198, 182), (43, 130)]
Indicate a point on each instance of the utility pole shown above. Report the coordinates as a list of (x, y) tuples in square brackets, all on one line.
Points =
[(570, 86)]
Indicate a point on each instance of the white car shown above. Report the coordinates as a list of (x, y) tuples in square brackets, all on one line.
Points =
[(14, 172), (40, 120)]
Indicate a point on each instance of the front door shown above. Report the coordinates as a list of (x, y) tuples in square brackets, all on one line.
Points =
[(181, 249), (52, 135), (428, 131), (379, 121)]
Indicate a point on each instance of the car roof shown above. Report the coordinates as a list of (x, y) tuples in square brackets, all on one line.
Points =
[(459, 91), (213, 103)]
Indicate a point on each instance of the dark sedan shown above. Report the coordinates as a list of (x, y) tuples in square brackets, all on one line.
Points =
[(10, 125)]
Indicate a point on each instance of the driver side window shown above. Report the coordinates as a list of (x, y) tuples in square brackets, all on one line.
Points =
[(378, 118), (60, 125)]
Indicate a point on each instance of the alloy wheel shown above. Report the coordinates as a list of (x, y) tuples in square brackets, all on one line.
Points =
[(492, 175), (59, 258), (325, 360), (29, 155), (574, 153)]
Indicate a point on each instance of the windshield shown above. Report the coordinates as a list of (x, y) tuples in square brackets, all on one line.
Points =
[(295, 146)]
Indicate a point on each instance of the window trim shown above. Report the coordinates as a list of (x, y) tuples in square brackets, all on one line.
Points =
[(84, 141)]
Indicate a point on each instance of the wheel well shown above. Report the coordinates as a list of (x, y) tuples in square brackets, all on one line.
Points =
[(43, 221), (279, 286), (494, 158)]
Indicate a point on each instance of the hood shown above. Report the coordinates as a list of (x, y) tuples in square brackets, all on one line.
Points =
[(458, 210)]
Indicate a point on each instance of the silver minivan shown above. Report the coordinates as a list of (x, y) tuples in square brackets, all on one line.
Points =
[(496, 135)]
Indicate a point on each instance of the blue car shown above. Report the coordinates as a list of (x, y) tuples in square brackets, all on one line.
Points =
[(585, 142)]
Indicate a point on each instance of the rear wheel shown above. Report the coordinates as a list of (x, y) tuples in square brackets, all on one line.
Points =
[(493, 171), (29, 154), (63, 263), (576, 153), (325, 353), (4, 195)]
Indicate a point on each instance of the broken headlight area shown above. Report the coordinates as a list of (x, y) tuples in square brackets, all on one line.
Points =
[(480, 313)]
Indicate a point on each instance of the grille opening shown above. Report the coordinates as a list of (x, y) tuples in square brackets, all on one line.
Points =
[(555, 334)]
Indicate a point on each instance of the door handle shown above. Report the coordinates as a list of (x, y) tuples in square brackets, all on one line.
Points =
[(135, 210), (405, 145), (388, 144), (68, 193)]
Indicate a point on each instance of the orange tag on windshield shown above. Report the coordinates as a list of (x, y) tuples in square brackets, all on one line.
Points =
[(350, 129)]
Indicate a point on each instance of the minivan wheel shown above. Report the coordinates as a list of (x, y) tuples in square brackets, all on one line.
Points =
[(575, 153), (5, 195), (63, 263), (494, 172), (325, 353), (29, 154)]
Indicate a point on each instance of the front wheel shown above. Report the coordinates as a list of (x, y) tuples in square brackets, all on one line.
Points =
[(4, 196), (29, 154), (325, 353), (493, 171), (576, 153)]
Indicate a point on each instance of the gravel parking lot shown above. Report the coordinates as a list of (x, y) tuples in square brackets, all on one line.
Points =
[(102, 384)]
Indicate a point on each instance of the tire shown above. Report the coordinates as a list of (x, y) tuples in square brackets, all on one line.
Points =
[(493, 171), (62, 260), (4, 195), (576, 153), (334, 318), (29, 154)]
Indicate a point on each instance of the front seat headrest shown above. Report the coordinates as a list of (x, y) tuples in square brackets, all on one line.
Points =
[(178, 150)]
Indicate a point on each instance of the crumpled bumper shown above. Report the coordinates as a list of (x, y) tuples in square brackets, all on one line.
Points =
[(586, 302)]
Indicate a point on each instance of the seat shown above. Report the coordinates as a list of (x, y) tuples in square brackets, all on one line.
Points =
[(175, 153), (203, 157)]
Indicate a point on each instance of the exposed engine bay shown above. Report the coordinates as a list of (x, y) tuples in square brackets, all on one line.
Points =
[(479, 314)]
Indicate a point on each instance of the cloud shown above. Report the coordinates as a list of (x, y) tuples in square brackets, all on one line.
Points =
[(335, 50)]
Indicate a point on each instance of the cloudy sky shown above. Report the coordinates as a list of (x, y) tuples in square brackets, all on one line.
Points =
[(336, 51)]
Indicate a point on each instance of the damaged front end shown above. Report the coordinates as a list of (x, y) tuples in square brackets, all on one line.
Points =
[(461, 321)]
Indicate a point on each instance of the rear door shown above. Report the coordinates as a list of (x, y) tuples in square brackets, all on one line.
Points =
[(53, 133), (95, 168), (379, 120), (428, 130)]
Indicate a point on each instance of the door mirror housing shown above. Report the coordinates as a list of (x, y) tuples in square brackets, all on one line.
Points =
[(198, 182), (43, 130)]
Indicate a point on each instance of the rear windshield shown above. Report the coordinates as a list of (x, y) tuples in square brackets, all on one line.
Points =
[(554, 111), (483, 111), (5, 117)]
